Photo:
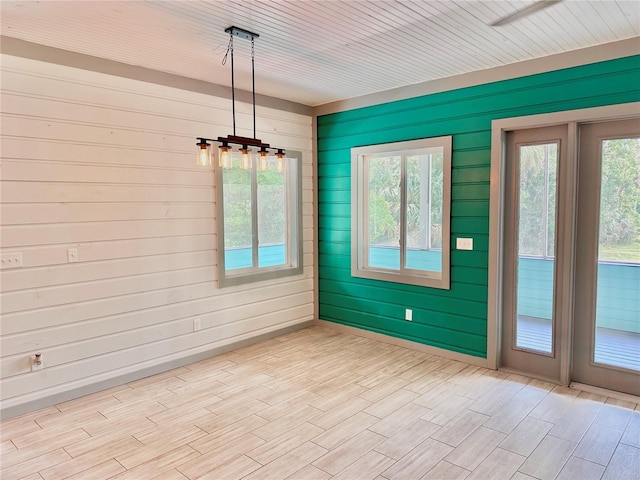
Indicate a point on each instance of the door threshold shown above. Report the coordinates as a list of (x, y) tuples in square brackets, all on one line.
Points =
[(515, 371), (625, 397)]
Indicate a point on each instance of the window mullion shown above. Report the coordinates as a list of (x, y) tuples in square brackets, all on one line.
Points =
[(291, 226), (254, 215), (364, 224), (430, 201), (545, 220), (403, 212)]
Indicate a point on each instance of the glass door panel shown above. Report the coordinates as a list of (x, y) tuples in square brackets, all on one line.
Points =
[(617, 332), (606, 329), (537, 165)]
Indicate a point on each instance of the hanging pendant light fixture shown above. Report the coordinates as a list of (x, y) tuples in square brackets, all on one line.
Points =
[(205, 149)]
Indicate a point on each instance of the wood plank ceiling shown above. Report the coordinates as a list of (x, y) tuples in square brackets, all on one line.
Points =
[(314, 52)]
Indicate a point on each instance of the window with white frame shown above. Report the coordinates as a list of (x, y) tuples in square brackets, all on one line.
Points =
[(259, 218), (401, 210)]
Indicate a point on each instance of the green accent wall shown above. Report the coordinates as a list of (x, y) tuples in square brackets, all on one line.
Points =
[(453, 319)]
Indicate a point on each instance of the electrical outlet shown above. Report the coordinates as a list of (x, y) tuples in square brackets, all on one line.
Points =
[(36, 362), (197, 324), (72, 255), (408, 315), (11, 260)]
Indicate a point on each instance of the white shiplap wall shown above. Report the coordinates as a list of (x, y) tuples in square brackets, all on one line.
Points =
[(106, 165)]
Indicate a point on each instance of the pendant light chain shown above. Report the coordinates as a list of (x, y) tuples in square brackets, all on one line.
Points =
[(253, 85), (233, 86)]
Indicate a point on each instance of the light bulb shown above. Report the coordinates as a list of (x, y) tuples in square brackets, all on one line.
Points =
[(264, 161), (225, 157), (245, 160), (280, 161), (204, 154)]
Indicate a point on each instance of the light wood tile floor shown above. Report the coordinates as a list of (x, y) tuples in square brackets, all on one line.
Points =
[(316, 404)]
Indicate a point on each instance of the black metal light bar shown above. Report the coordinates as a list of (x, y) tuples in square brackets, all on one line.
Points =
[(235, 140), (254, 142)]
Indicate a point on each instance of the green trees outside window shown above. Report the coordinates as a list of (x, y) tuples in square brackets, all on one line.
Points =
[(271, 207), (259, 218), (619, 207), (620, 200)]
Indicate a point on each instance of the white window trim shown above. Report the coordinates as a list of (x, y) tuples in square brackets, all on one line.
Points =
[(293, 265), (359, 206)]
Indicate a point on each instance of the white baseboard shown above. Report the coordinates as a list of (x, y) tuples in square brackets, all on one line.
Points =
[(401, 342), (15, 409)]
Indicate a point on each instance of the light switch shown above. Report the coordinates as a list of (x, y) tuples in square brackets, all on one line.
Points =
[(464, 243), (197, 324)]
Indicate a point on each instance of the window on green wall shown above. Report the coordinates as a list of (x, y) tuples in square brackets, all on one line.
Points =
[(400, 212), (259, 218)]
